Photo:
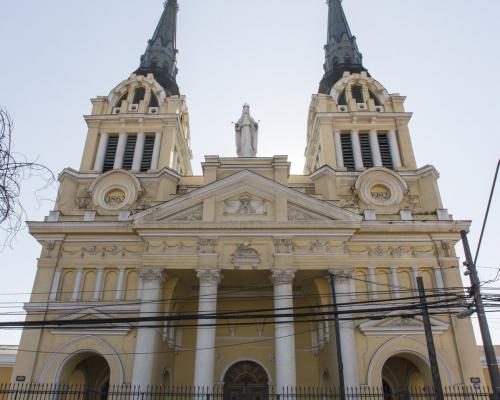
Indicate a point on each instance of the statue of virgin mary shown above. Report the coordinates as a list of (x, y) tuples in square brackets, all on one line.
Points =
[(247, 133)]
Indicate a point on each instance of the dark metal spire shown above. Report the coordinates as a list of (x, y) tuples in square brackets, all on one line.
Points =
[(161, 53), (341, 51)]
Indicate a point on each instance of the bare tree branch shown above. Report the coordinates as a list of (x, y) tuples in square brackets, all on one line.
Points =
[(15, 168)]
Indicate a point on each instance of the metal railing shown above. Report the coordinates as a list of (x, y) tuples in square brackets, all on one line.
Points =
[(235, 392)]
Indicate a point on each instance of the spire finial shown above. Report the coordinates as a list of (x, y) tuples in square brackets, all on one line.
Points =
[(341, 50), (160, 58)]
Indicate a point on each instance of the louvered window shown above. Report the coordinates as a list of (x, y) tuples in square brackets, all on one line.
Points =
[(357, 93), (147, 155), (345, 141), (139, 95), (128, 156), (109, 157), (366, 150), (385, 150)]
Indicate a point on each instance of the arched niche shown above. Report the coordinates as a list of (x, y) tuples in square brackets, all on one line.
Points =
[(411, 349), (246, 379), (66, 355)]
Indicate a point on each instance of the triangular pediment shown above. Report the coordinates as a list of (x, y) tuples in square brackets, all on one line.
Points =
[(91, 313), (401, 324), (245, 196)]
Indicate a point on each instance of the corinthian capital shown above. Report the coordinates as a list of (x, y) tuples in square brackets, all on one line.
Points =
[(282, 276), (342, 275), (209, 276), (150, 275)]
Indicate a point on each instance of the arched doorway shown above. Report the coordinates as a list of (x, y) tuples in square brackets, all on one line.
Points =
[(246, 380), (404, 372), (89, 371)]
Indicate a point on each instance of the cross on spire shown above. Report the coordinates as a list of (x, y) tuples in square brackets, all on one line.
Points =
[(160, 57), (341, 50)]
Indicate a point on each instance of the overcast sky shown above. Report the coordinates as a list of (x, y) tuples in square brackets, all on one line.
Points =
[(443, 55)]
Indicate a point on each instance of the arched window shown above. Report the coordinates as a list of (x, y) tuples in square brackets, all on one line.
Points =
[(139, 95), (342, 101), (153, 101), (357, 93), (122, 99), (375, 99)]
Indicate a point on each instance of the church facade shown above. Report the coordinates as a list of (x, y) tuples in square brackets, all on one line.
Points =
[(150, 275)]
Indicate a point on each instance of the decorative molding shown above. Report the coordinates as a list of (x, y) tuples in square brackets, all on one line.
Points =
[(192, 214), (245, 205), (318, 246), (166, 248), (245, 254), (93, 250), (207, 246), (282, 276), (394, 251), (297, 214), (283, 246), (401, 324)]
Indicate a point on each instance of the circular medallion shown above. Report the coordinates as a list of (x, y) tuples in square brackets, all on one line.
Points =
[(115, 190), (115, 197), (381, 187)]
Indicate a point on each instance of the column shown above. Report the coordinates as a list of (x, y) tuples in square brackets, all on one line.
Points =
[(338, 149), (284, 339), (393, 144), (205, 336), (377, 158), (356, 150), (142, 373), (120, 150), (156, 151), (438, 276), (55, 284), (373, 283), (415, 273), (99, 282), (396, 293), (78, 285), (347, 334), (138, 152), (101, 152), (121, 284)]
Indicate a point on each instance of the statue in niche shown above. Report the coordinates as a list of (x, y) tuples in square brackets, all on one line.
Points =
[(247, 133)]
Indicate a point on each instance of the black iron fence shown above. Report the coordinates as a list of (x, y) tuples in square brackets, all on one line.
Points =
[(242, 392)]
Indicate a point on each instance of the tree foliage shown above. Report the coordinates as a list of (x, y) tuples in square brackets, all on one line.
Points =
[(14, 169)]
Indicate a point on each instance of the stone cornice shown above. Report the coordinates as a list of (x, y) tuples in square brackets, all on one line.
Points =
[(91, 176), (329, 171), (364, 114), (132, 117), (431, 227), (76, 307)]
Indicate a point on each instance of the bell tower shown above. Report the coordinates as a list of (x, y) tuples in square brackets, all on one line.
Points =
[(356, 127), (143, 124), (138, 141)]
